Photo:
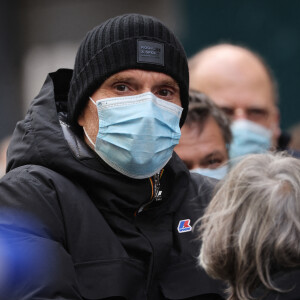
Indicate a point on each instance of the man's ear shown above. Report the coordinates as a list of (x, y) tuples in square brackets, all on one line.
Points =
[(88, 117), (83, 116), (81, 119)]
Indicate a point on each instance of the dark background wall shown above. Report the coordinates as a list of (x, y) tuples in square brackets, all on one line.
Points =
[(270, 27), (10, 61)]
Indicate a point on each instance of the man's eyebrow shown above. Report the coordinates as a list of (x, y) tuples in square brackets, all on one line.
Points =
[(213, 154), (256, 108), (169, 82)]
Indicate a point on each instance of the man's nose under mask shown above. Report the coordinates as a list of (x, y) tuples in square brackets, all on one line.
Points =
[(137, 133), (248, 138), (217, 173)]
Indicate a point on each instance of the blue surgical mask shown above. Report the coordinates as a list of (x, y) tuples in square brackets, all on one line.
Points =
[(137, 134), (248, 138), (217, 173)]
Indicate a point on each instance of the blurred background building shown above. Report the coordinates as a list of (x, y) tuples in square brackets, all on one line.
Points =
[(38, 37)]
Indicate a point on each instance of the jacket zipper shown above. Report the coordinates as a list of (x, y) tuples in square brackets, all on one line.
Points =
[(155, 196), (156, 193)]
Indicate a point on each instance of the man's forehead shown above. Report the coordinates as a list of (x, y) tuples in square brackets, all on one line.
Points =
[(226, 71), (198, 142), (241, 97), (244, 104)]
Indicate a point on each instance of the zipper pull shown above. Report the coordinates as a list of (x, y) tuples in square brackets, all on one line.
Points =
[(157, 192)]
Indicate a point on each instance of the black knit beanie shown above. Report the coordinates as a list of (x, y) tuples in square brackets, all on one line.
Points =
[(130, 41)]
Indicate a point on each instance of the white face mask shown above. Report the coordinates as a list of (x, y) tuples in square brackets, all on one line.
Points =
[(137, 134), (217, 173), (248, 138)]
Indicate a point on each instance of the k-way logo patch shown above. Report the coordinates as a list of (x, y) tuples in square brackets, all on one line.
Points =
[(150, 52), (184, 226)]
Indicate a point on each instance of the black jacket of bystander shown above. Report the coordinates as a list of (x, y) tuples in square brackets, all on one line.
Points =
[(71, 227)]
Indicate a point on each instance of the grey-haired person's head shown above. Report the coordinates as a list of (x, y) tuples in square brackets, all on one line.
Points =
[(252, 226)]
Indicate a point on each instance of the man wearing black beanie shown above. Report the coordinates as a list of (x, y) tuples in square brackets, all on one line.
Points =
[(95, 204)]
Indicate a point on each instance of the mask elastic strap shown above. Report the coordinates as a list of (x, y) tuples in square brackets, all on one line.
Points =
[(90, 140), (93, 101)]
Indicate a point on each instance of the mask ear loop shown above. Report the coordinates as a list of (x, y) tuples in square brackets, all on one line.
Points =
[(93, 101), (90, 140)]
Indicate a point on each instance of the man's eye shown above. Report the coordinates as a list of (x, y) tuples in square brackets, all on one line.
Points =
[(164, 93), (256, 113), (121, 87), (214, 163), (228, 111)]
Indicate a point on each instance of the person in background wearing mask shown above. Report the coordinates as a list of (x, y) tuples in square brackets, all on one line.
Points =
[(95, 204), (241, 83), (251, 229), (205, 138)]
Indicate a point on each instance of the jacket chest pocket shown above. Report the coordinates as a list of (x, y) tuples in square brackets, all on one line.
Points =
[(111, 279)]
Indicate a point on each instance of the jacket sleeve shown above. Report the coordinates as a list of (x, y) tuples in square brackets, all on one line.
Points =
[(34, 262)]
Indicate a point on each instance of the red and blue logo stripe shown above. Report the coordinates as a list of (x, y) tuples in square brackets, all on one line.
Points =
[(184, 226)]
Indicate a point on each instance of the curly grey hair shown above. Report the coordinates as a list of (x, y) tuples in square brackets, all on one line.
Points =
[(252, 224)]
